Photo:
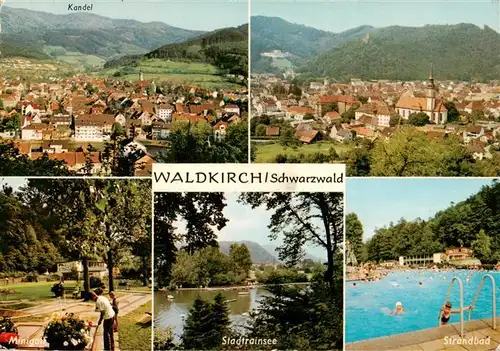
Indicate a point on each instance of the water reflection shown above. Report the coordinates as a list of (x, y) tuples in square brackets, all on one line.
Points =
[(172, 313)]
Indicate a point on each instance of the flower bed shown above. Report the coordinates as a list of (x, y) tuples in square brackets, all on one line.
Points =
[(8, 333), (67, 333)]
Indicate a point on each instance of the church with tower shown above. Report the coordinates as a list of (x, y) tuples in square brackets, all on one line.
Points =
[(430, 104)]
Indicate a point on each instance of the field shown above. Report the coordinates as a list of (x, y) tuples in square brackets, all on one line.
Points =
[(34, 70), (62, 54), (266, 153), (134, 330), (199, 74)]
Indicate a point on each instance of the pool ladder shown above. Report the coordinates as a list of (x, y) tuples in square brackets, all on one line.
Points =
[(461, 286)]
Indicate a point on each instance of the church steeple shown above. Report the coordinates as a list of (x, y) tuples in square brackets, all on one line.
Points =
[(431, 77), (431, 92)]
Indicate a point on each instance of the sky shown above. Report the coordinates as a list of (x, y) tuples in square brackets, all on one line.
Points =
[(250, 224), (187, 14), (378, 201), (14, 182), (337, 16)]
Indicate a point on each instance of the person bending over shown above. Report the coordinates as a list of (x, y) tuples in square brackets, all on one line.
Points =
[(108, 316)]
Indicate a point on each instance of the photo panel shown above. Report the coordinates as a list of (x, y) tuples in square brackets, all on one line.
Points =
[(422, 263), (234, 269), (75, 264), (390, 88), (109, 88)]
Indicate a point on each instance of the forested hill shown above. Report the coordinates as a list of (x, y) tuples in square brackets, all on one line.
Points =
[(458, 52), (273, 33), (225, 48), (474, 222), (87, 33), (257, 252)]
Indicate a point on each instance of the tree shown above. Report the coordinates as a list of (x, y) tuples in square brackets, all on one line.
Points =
[(25, 245), (14, 123), (303, 218), (362, 99), (240, 256), (308, 116), (453, 114), (13, 163), (482, 247), (295, 90), (261, 130), (206, 324), (331, 106), (419, 119), (200, 212), (348, 115), (354, 233), (409, 153), (125, 208), (97, 216), (189, 145), (395, 120), (314, 316), (288, 138)]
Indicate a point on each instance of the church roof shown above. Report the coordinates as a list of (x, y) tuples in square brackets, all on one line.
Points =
[(419, 104)]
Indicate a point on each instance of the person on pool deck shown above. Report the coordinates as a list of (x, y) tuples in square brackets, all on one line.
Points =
[(447, 311), (399, 309)]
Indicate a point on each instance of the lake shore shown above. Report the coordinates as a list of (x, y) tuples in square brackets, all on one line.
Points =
[(226, 288)]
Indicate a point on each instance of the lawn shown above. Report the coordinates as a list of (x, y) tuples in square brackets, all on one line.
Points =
[(33, 291), (266, 153), (134, 332)]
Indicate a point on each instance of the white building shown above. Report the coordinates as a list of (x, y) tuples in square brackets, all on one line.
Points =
[(96, 268), (165, 112), (93, 127)]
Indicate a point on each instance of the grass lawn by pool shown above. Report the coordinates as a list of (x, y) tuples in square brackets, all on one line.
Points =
[(133, 332), (267, 152)]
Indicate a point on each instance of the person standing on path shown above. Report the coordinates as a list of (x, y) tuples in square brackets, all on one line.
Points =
[(114, 303), (108, 316)]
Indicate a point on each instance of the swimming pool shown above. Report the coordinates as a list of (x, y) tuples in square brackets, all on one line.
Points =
[(368, 304)]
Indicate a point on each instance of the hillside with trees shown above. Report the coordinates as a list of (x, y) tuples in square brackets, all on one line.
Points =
[(227, 49), (257, 252), (462, 51), (473, 222), (86, 33), (16, 49), (273, 33)]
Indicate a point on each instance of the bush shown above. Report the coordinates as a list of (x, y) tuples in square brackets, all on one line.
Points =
[(7, 326), (67, 333), (32, 277), (12, 275), (163, 339), (488, 266), (95, 282), (53, 277), (57, 289)]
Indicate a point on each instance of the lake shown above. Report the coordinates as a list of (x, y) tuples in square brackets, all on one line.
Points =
[(171, 313)]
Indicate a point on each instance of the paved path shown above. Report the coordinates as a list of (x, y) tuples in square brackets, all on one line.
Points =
[(33, 331), (479, 336)]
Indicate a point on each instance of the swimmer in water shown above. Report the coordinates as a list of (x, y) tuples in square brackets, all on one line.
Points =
[(353, 284), (399, 309), (420, 283), (447, 311)]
